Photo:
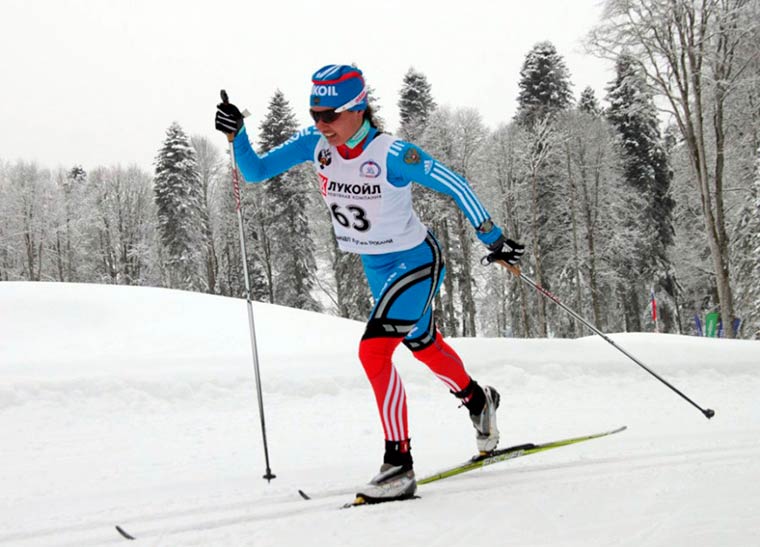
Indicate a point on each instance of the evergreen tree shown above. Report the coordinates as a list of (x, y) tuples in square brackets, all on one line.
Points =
[(282, 210), (374, 103), (179, 198), (544, 93), (544, 84), (231, 281), (633, 113), (588, 103), (415, 105)]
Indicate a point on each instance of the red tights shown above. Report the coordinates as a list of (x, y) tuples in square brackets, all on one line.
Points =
[(375, 355)]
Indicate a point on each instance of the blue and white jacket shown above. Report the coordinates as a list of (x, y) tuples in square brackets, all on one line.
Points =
[(369, 196)]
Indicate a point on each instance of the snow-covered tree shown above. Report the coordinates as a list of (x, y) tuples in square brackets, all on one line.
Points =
[(747, 258), (286, 246), (544, 84), (121, 226), (209, 168), (353, 299), (68, 245), (503, 309), (415, 104), (231, 279), (179, 198), (544, 94), (690, 52), (29, 193), (598, 204), (632, 112), (455, 138), (588, 102)]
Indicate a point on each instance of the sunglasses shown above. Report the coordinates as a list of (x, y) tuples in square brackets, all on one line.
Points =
[(327, 116)]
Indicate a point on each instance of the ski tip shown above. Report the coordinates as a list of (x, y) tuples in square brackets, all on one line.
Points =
[(366, 500), (123, 533), (359, 500), (304, 495)]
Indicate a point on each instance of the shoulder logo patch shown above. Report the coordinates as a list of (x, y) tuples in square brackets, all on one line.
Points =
[(412, 156)]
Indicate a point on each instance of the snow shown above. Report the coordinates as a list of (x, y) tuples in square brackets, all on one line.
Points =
[(137, 406)]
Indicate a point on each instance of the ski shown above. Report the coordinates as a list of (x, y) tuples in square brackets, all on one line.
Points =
[(476, 462), (483, 460), (361, 500)]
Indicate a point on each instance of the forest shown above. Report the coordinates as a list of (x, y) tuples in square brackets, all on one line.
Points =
[(646, 196)]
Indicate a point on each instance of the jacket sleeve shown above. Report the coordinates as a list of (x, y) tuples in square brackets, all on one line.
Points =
[(408, 163), (297, 149)]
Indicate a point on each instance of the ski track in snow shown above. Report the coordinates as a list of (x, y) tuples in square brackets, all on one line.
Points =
[(135, 406)]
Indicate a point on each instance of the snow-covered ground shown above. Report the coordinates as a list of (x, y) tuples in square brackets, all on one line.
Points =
[(137, 406)]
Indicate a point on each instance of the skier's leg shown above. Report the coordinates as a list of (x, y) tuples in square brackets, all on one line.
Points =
[(401, 284), (427, 345), (396, 477), (375, 354)]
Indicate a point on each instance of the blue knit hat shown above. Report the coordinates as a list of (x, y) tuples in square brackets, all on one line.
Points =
[(338, 85)]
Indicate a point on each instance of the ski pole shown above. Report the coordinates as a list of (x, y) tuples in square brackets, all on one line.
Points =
[(236, 192), (709, 413)]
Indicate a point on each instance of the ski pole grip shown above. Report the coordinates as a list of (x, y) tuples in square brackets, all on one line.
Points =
[(490, 259), (514, 270)]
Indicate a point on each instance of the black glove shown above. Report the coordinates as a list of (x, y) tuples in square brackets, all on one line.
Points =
[(506, 250), (228, 118)]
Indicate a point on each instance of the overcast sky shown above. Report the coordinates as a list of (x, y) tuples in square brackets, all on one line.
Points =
[(98, 82)]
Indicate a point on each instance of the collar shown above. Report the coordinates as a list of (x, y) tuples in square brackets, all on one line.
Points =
[(355, 145)]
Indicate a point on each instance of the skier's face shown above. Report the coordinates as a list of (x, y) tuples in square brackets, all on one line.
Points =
[(342, 128)]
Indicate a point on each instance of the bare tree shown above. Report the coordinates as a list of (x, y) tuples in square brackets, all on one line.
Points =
[(210, 167), (687, 49), (29, 199), (509, 301), (542, 140)]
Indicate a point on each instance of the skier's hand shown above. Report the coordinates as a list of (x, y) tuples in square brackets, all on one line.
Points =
[(505, 250), (228, 119)]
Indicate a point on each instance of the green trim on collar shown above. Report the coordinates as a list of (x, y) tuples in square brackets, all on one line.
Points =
[(359, 136)]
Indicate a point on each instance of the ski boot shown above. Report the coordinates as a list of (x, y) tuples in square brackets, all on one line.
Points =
[(486, 430), (395, 481)]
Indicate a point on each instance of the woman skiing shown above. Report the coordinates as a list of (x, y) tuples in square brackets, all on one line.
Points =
[(365, 179)]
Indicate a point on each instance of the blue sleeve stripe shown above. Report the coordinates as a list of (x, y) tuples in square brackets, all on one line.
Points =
[(458, 186)]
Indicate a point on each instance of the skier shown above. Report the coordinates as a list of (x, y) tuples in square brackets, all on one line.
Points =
[(364, 176)]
